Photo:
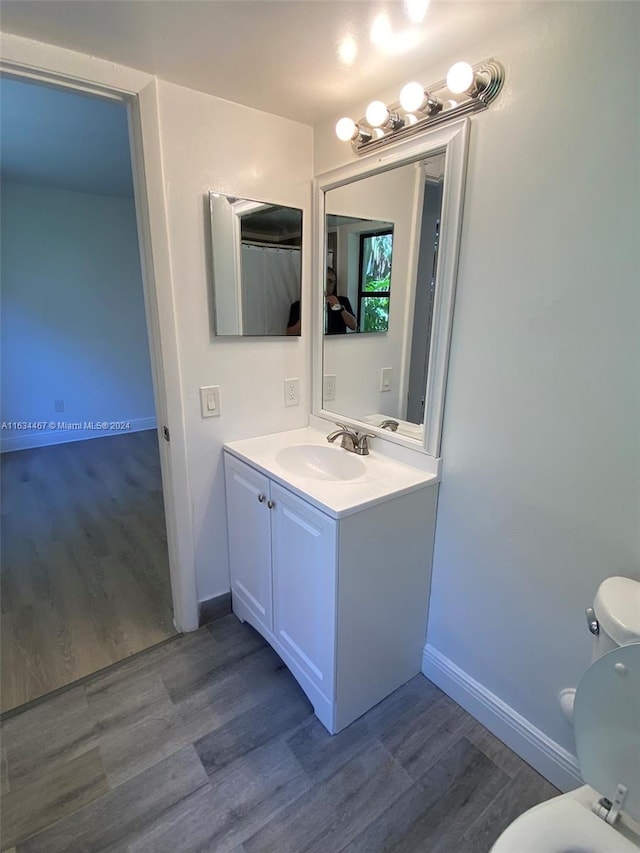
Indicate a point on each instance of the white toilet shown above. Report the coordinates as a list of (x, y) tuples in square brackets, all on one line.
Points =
[(602, 816)]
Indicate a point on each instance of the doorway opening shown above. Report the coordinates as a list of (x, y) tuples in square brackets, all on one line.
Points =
[(84, 557)]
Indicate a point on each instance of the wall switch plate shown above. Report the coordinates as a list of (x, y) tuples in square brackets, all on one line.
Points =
[(58, 405), (328, 388), (210, 401), (385, 378), (291, 392)]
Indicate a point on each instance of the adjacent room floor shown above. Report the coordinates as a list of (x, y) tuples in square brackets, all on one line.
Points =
[(85, 572), (206, 743)]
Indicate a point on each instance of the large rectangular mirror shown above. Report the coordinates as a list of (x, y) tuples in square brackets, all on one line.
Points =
[(391, 382), (257, 266)]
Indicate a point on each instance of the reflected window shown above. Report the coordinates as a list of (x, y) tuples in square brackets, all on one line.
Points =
[(374, 294)]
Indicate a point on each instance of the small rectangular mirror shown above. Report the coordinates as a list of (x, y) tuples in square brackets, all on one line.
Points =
[(257, 266)]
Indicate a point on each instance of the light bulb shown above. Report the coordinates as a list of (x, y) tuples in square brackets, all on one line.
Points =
[(412, 97), (377, 113), (410, 119), (346, 129), (460, 78)]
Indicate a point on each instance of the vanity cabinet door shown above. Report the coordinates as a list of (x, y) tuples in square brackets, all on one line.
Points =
[(304, 585), (249, 524)]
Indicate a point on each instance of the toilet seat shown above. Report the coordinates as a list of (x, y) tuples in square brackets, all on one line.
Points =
[(606, 720), (564, 824), (607, 730)]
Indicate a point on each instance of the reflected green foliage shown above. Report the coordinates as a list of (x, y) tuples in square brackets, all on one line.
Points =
[(377, 254), (378, 249), (375, 314)]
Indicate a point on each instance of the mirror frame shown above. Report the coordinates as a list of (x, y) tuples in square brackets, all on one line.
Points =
[(453, 139)]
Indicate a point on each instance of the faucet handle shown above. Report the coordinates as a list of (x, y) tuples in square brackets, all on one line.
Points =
[(363, 443)]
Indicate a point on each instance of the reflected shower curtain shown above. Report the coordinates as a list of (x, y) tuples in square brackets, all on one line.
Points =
[(270, 283)]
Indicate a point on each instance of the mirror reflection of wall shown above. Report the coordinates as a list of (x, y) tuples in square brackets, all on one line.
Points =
[(384, 376), (424, 298), (257, 266)]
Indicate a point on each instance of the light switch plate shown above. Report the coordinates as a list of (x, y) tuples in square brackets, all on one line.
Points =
[(210, 401), (385, 378)]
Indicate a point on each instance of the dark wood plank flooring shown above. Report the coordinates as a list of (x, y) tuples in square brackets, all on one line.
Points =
[(206, 743), (85, 571)]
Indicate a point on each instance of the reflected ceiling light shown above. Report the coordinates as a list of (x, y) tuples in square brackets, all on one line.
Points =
[(381, 30), (419, 107), (416, 10), (403, 42), (348, 50)]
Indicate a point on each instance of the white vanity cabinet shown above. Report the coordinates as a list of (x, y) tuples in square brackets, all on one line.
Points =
[(282, 554), (343, 600)]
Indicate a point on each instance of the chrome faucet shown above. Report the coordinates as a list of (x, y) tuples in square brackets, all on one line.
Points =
[(390, 425), (352, 441)]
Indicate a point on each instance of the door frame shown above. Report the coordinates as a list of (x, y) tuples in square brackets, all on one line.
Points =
[(58, 67)]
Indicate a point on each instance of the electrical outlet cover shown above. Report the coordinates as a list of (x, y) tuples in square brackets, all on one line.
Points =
[(329, 388), (291, 392)]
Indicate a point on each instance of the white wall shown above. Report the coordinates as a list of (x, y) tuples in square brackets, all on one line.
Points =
[(73, 323), (539, 498), (211, 144)]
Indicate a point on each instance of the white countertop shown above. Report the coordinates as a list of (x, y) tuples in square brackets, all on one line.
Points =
[(382, 478)]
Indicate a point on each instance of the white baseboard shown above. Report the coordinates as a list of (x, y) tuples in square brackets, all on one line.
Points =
[(15, 440), (550, 759)]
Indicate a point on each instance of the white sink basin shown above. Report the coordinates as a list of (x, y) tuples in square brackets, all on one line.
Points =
[(336, 481), (321, 463)]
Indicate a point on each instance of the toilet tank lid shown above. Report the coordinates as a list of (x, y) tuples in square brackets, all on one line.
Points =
[(617, 607)]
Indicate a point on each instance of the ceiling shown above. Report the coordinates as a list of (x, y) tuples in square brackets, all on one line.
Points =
[(61, 139), (309, 60)]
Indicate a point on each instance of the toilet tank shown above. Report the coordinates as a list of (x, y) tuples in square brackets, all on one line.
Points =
[(617, 609)]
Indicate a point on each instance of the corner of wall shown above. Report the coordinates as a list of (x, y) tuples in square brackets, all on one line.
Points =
[(550, 759)]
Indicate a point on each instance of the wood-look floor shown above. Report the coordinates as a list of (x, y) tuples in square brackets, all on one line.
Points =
[(206, 743), (85, 573)]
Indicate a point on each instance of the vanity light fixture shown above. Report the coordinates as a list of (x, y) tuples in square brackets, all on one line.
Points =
[(475, 87)]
